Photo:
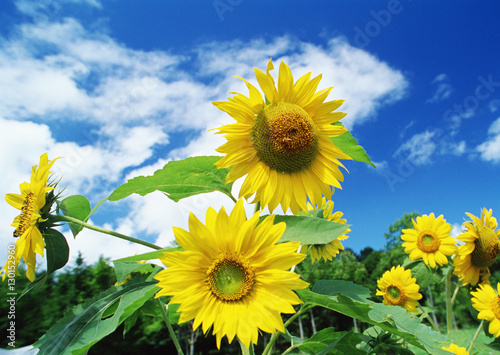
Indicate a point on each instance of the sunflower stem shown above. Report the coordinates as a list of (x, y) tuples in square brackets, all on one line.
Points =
[(426, 315), (269, 346), (68, 219), (245, 350), (455, 293), (449, 305), (169, 326), (475, 336)]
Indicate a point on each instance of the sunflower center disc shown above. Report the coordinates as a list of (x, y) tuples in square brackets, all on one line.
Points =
[(486, 251), (230, 279), (25, 217), (428, 241), (395, 295), (285, 137)]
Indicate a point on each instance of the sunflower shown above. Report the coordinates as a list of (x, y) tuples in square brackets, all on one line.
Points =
[(332, 249), (231, 275), (480, 250), (399, 289), (429, 240), (31, 201), (455, 349), (282, 141), (486, 301)]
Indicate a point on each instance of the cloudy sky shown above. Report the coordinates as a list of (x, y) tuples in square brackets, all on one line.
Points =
[(119, 88)]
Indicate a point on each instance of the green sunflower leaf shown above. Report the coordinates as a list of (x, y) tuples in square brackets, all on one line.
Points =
[(324, 341), (57, 250), (179, 179), (87, 323), (351, 300), (349, 145), (124, 269), (309, 230), (149, 255), (76, 206)]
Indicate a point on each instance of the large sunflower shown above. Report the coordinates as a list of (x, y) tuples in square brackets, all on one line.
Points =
[(332, 249), (480, 250), (231, 275), (31, 201), (282, 141), (399, 289), (487, 302), (429, 240)]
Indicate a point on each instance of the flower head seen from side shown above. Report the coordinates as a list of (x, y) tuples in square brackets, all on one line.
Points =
[(399, 288), (480, 250), (430, 240), (282, 142), (332, 249), (30, 202), (455, 349), (487, 302), (232, 276)]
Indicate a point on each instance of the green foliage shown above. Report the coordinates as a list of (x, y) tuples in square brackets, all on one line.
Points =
[(88, 323), (309, 230), (57, 250), (352, 300), (395, 230), (179, 179), (349, 145), (76, 206), (328, 341)]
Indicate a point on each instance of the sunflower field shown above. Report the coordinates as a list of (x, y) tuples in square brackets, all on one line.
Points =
[(255, 282)]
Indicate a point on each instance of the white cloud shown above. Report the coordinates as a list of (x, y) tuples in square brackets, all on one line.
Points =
[(494, 105), (420, 148), (489, 150), (443, 89)]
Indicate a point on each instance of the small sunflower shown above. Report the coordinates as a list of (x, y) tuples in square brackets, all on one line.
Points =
[(31, 201), (399, 289), (480, 250), (332, 249), (455, 349), (232, 275), (282, 141), (487, 302), (429, 240)]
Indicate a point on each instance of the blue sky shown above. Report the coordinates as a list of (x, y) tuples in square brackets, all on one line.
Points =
[(119, 88)]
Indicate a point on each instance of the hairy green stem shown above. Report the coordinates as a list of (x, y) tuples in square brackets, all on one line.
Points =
[(426, 315), (455, 293), (269, 346), (475, 336), (68, 219), (169, 326), (245, 350), (449, 318)]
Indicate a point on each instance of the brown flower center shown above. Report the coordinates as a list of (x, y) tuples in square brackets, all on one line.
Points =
[(285, 137), (25, 217), (428, 241), (395, 295), (230, 277), (486, 251)]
